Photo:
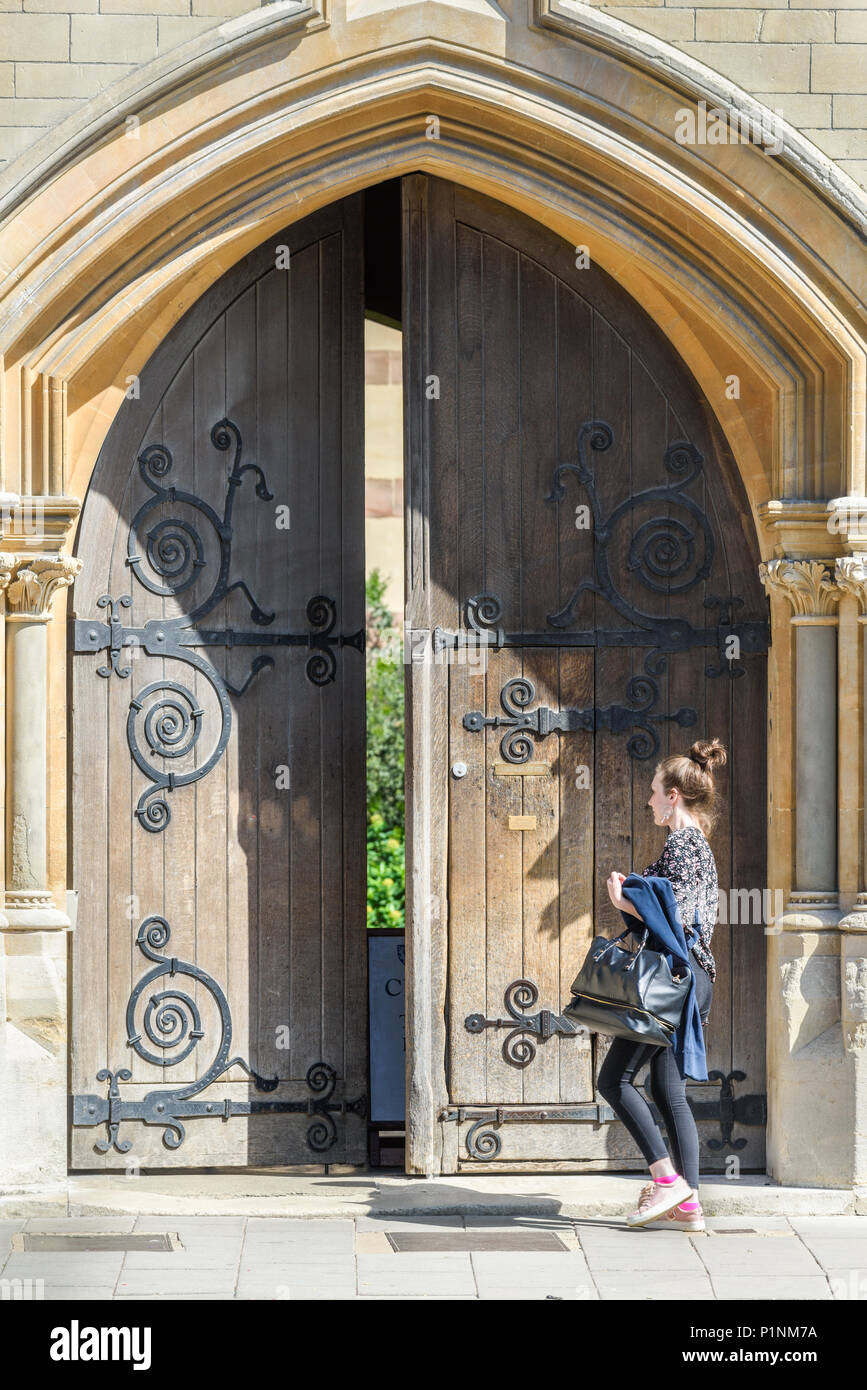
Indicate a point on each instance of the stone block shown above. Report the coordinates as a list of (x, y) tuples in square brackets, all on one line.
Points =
[(728, 26), (841, 144), (838, 67), (222, 9), (177, 31), (804, 26), (47, 80), (773, 67), (149, 7), (741, 4), (665, 23), (64, 6), (848, 111), (22, 35), (34, 113), (852, 28), (123, 38), (799, 108)]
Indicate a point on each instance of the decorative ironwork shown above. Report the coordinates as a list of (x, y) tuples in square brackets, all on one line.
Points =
[(171, 1019), (516, 694), (483, 1140), (518, 1050), (664, 552), (174, 551), (727, 1109), (669, 556)]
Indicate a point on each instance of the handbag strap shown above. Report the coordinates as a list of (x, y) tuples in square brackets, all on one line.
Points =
[(643, 929)]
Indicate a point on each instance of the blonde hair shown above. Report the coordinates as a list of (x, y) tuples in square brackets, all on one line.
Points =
[(692, 775)]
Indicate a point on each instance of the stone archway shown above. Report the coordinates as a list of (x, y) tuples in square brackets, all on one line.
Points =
[(753, 267)]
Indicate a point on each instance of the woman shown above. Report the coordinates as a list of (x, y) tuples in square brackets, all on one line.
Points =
[(682, 798)]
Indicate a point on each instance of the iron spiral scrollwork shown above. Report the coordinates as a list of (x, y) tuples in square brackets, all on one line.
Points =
[(668, 555), (518, 1049), (163, 1028), (167, 556), (516, 744)]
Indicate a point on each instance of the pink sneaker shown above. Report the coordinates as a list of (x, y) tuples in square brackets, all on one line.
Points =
[(658, 1198), (677, 1220)]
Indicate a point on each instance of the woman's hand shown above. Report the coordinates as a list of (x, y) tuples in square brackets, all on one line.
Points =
[(614, 884), (615, 893)]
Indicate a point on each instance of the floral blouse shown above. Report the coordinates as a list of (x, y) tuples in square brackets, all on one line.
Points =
[(687, 861)]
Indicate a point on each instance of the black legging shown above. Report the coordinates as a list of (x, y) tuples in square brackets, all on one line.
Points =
[(624, 1060)]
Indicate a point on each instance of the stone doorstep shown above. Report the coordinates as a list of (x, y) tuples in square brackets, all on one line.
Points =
[(313, 1197)]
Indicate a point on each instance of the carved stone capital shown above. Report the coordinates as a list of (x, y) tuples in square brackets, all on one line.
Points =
[(851, 575), (33, 582), (7, 569), (807, 584)]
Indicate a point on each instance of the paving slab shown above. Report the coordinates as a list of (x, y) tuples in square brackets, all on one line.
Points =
[(514, 1295), (200, 1225), (319, 1295), (773, 1287), (181, 1259), (838, 1254), (430, 1284), (834, 1227), (171, 1282), (299, 1273), (65, 1267), (73, 1293), (79, 1225), (524, 1264), (761, 1224), (410, 1222), (660, 1286), (755, 1255), (288, 1289), (645, 1265)]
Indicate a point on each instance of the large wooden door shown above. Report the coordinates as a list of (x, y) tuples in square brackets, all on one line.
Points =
[(580, 554), (219, 977)]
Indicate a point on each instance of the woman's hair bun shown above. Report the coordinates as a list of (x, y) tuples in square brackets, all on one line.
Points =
[(709, 754)]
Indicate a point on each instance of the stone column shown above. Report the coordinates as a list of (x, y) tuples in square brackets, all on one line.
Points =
[(813, 1082), (851, 573), (810, 588), (33, 1082)]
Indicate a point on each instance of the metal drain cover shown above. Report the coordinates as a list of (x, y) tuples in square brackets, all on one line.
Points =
[(44, 1240), (475, 1240)]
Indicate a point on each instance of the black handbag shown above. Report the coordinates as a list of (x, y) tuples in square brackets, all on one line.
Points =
[(628, 994)]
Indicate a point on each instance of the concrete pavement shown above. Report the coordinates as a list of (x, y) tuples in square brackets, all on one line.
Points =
[(822, 1258)]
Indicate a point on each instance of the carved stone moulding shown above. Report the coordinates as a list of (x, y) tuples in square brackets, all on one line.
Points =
[(40, 525), (809, 585), (31, 581)]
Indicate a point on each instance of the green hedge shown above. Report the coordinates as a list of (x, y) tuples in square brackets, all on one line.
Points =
[(385, 734)]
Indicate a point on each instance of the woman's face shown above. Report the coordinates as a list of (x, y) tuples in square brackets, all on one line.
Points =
[(660, 801)]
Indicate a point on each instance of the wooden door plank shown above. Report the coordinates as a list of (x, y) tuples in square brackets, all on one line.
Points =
[(269, 967), (541, 907), (349, 1010), (467, 885), (307, 736), (612, 773)]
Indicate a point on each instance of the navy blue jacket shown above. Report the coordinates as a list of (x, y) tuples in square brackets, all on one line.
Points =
[(654, 898)]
